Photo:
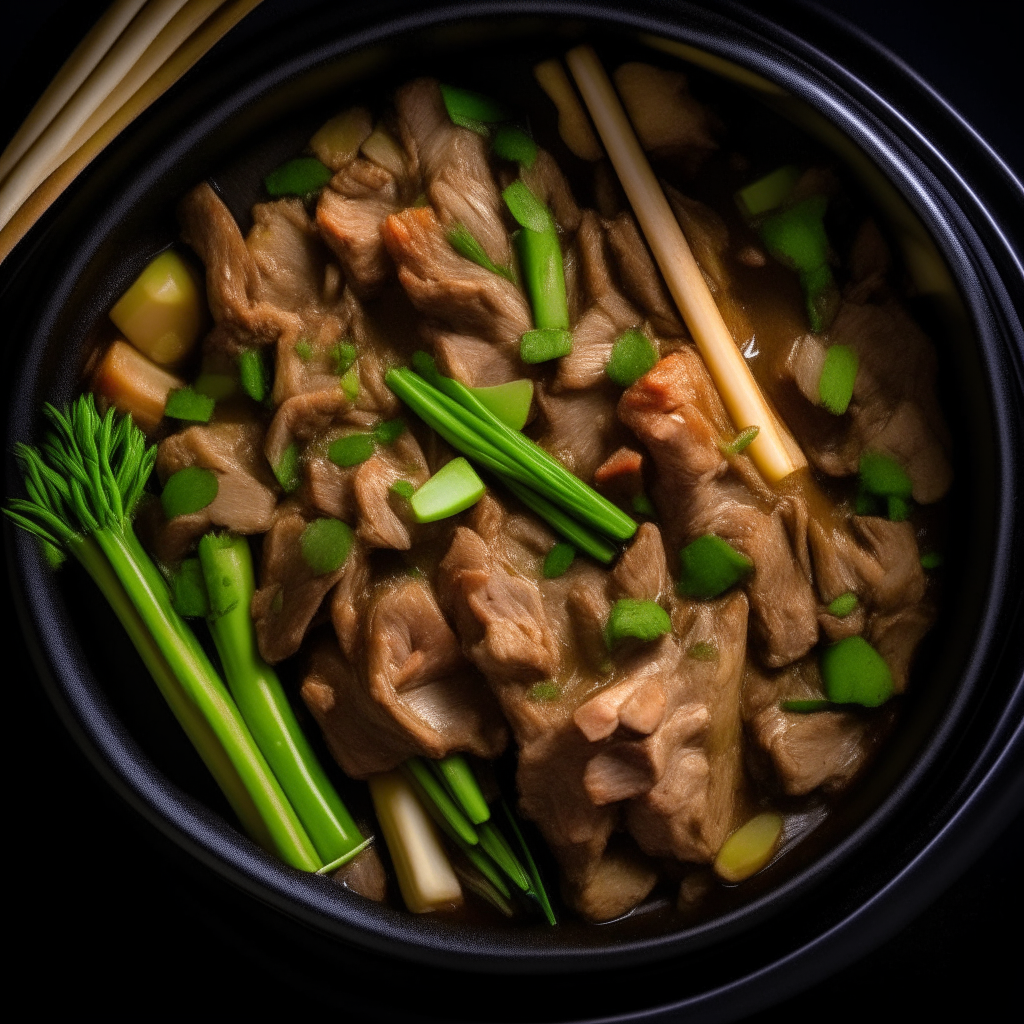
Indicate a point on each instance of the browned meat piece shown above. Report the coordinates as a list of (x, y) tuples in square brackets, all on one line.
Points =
[(579, 429), (365, 875), (449, 288), (288, 254), (641, 280), (234, 287), (826, 749), (453, 162), (896, 636), (379, 525), (347, 600), (301, 419), (667, 119), (621, 474), (476, 363), (246, 501), (419, 695), (642, 571), (290, 593), (547, 182), (676, 412)]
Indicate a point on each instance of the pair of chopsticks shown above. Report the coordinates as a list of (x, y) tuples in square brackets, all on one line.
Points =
[(132, 56)]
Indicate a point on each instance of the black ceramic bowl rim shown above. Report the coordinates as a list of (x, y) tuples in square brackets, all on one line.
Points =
[(946, 205)]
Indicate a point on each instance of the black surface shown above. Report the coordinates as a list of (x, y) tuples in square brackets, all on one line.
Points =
[(123, 913)]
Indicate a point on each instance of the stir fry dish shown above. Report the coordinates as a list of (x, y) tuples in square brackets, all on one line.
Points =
[(589, 489)]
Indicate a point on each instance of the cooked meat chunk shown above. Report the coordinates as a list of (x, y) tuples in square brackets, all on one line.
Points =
[(547, 182), (379, 524), (365, 875), (448, 287), (474, 362), (302, 418), (346, 603), (580, 429), (621, 474), (642, 571)]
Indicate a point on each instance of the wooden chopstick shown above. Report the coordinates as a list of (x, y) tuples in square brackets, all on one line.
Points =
[(39, 201), (774, 450)]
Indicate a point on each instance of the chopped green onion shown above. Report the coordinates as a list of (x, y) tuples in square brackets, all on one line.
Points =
[(702, 650), (643, 506), (253, 373), (299, 177), (343, 355), (843, 605), (465, 105), (796, 237), (287, 470), (806, 707), (768, 192), (350, 384), (537, 890), (544, 344), (187, 404), (821, 295), (217, 386), (510, 402), (640, 620), (835, 388), (325, 545), (544, 693), (540, 255), (456, 774), (403, 488), (466, 245), (188, 490), (497, 847), (416, 769), (388, 431), (351, 449), (188, 591), (710, 566), (452, 489), (932, 560), (528, 210), (511, 143), (883, 475), (558, 560), (632, 356), (740, 442), (855, 673), (898, 508), (304, 350)]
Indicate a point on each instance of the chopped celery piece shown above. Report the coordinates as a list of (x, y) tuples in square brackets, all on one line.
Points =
[(749, 848), (835, 388), (702, 650), (821, 296), (797, 237), (217, 386), (855, 673), (883, 475), (188, 591), (388, 431), (452, 489), (350, 384), (898, 508), (643, 505), (511, 143), (188, 490), (558, 560), (298, 177), (509, 402), (542, 345), (741, 441), (466, 105), (253, 373), (403, 488), (932, 560), (343, 355), (768, 192), (843, 605), (466, 245), (287, 469), (527, 209), (325, 545), (187, 404), (632, 356), (641, 620), (351, 449), (544, 693), (806, 707), (304, 350), (710, 566)]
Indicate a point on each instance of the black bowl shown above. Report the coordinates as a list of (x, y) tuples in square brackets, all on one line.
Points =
[(952, 775)]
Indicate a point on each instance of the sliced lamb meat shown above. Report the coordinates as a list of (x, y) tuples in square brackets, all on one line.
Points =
[(667, 119), (453, 162), (579, 429), (301, 419), (347, 600), (246, 501), (379, 525), (896, 637), (474, 362), (676, 412), (290, 592), (547, 182), (417, 695), (450, 288), (641, 572), (365, 875), (621, 474)]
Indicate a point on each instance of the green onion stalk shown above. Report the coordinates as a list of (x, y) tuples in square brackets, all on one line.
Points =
[(84, 483)]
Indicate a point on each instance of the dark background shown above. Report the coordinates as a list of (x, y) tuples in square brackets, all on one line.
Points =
[(123, 916)]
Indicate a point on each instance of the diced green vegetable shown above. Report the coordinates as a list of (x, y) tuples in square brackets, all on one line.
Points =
[(288, 469), (452, 489), (710, 566), (343, 355), (702, 650), (304, 350), (768, 192), (932, 560), (883, 475), (540, 256), (456, 774), (388, 431), (749, 848), (639, 620), (898, 508), (510, 402), (741, 442), (325, 545), (797, 236), (351, 449), (187, 404), (528, 210), (544, 344), (403, 488), (253, 373), (558, 560), (188, 590), (835, 388), (544, 692), (464, 105), (843, 605), (855, 673), (511, 143), (299, 177), (806, 707), (643, 506), (466, 245), (188, 490), (821, 295), (632, 356), (350, 384)]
